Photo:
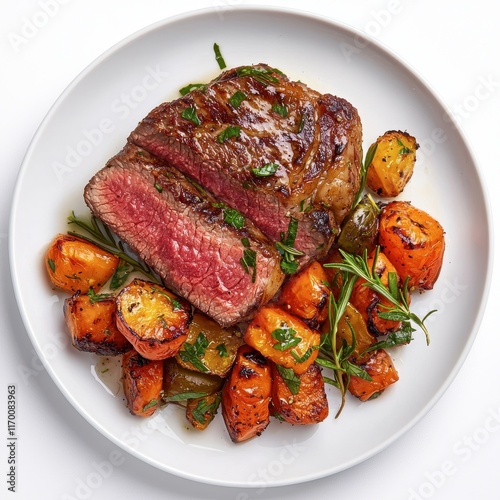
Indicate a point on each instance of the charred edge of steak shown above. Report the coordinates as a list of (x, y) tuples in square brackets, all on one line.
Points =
[(184, 235), (313, 139)]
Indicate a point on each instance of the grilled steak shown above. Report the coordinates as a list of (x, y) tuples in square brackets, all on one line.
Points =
[(252, 121), (192, 241)]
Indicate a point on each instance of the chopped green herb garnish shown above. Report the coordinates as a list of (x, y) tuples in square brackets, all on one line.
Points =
[(203, 407), (192, 86), (158, 187), (289, 264), (266, 170), (404, 150), (237, 98), (249, 261), (281, 109), (234, 218), (190, 114), (286, 338), (218, 57), (98, 297), (52, 265), (262, 75), (290, 377), (120, 275), (152, 403), (245, 242), (228, 133), (305, 356), (399, 337), (191, 353), (222, 350)]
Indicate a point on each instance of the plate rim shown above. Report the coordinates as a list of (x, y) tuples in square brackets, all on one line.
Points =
[(255, 9)]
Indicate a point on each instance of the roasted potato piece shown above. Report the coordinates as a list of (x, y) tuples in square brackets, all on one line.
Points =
[(308, 406), (154, 320), (414, 243), (392, 165), (91, 321), (283, 338), (142, 383), (246, 395), (201, 411), (382, 372), (360, 228), (181, 384), (364, 339), (209, 348), (306, 295), (74, 264), (370, 303)]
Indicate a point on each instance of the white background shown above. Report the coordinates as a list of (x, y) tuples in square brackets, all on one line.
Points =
[(452, 453)]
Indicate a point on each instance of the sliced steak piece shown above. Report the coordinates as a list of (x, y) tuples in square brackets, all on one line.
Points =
[(186, 236), (251, 120)]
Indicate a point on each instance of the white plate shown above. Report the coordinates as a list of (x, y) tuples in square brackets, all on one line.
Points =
[(90, 122)]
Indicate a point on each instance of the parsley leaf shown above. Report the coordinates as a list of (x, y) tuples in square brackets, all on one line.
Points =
[(290, 377), (190, 114), (234, 218), (237, 98), (228, 133), (266, 170), (191, 353), (286, 337)]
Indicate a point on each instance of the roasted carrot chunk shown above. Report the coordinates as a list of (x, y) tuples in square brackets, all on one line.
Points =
[(305, 405), (414, 242), (370, 303), (382, 372), (142, 383), (306, 295), (153, 319), (283, 338), (201, 411), (246, 395), (74, 264), (91, 321)]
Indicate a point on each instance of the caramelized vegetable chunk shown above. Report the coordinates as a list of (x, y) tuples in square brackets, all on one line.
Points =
[(414, 242), (201, 411), (370, 304), (360, 228), (283, 338), (306, 295), (382, 372), (209, 348), (308, 406), (142, 383), (154, 320), (74, 264), (392, 165), (181, 384), (352, 318), (246, 395), (91, 321)]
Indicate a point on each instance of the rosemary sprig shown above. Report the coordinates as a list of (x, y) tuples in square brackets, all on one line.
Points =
[(400, 311), (101, 236), (337, 357)]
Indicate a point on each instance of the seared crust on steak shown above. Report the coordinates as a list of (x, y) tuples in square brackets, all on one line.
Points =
[(314, 139), (181, 232)]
